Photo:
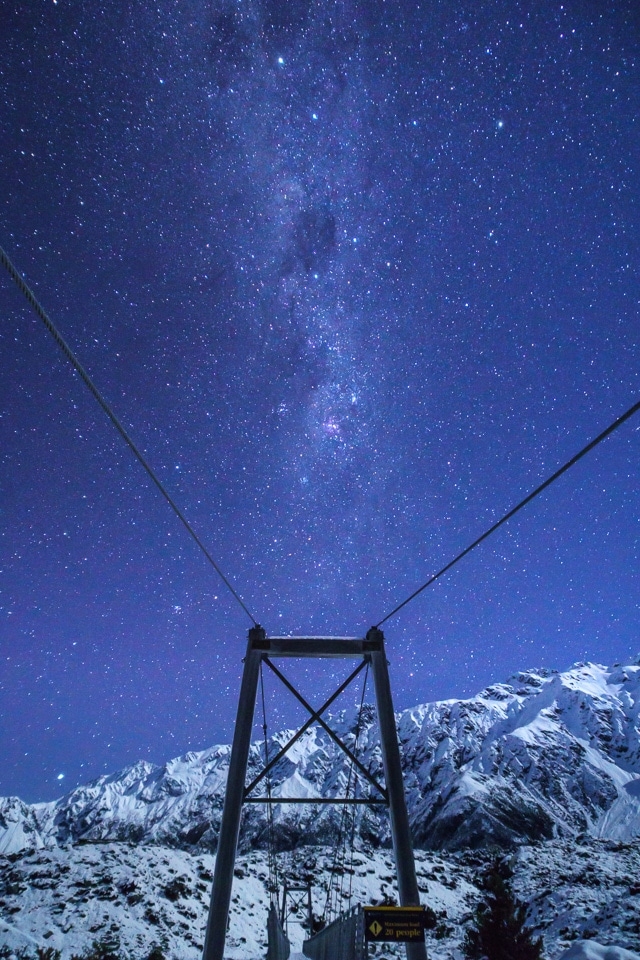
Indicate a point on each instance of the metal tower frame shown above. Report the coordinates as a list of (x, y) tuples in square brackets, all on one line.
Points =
[(261, 648)]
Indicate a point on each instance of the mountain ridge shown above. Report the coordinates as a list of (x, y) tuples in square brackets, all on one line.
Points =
[(545, 754)]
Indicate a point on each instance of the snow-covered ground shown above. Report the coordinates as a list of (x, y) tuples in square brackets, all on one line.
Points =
[(591, 950), (145, 895)]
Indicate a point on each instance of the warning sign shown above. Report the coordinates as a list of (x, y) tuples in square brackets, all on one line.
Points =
[(394, 924)]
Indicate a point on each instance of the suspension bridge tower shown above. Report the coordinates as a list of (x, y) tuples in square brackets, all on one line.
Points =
[(261, 649)]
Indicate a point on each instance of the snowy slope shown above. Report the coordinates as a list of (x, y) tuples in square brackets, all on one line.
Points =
[(590, 950), (66, 898), (546, 754)]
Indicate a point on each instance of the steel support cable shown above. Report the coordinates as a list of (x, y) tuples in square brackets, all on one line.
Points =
[(66, 349), (351, 778), (271, 855), (543, 486), (330, 912), (339, 858), (355, 789), (338, 865)]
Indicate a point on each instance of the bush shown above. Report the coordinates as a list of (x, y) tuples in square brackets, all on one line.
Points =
[(156, 953), (176, 889), (499, 931), (106, 949)]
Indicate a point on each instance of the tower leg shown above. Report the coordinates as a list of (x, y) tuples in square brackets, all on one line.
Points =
[(400, 832), (231, 812)]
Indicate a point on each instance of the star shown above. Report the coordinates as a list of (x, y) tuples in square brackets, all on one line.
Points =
[(339, 382)]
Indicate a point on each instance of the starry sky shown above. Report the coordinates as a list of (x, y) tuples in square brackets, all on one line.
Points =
[(357, 276)]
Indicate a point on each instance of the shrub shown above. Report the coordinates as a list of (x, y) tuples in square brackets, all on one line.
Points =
[(499, 931)]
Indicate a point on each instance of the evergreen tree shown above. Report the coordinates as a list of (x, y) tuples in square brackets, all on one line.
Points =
[(499, 931), (156, 953), (106, 949)]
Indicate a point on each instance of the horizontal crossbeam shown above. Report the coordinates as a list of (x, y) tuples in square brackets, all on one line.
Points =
[(315, 646), (354, 800)]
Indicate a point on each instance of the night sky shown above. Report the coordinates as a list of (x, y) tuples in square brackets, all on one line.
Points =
[(356, 276)]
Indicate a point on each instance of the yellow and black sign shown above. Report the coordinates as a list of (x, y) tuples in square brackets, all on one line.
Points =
[(393, 924)]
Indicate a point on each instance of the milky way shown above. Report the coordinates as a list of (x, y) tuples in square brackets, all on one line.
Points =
[(356, 277)]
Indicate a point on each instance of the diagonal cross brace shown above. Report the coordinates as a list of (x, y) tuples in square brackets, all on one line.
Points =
[(315, 716), (325, 726)]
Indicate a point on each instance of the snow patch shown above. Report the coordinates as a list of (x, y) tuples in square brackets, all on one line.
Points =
[(592, 950)]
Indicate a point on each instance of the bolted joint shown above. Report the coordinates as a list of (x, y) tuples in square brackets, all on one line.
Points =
[(375, 637), (257, 635)]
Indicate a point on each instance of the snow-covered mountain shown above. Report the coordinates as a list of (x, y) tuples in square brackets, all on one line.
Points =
[(545, 754), (546, 766)]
